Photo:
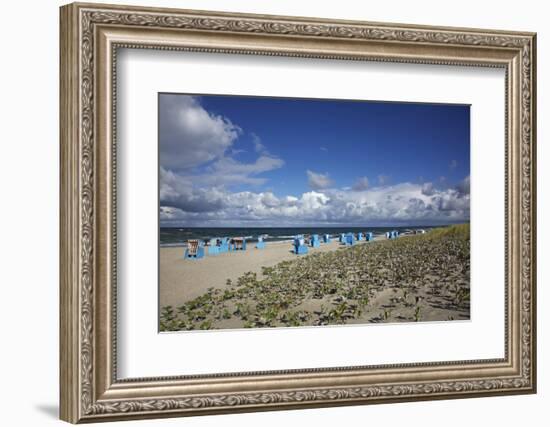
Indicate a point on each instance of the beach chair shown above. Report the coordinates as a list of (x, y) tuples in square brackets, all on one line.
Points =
[(360, 236), (261, 243), (342, 238), (300, 247), (395, 234), (240, 243), (314, 241), (326, 238), (213, 248), (368, 236), (194, 250), (388, 235), (349, 239), (223, 245)]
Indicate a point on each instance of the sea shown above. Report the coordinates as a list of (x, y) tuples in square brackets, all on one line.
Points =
[(178, 236)]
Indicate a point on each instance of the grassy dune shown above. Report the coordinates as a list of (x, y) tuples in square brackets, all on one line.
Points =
[(414, 278)]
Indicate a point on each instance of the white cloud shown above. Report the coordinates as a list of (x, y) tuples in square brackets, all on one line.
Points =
[(405, 203), (318, 181), (464, 186), (190, 135), (258, 146), (197, 147), (230, 166), (428, 189), (361, 184)]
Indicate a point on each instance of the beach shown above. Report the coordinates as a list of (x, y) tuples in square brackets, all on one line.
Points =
[(182, 280), (411, 278)]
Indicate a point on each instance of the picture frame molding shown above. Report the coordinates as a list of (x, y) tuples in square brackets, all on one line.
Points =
[(89, 39)]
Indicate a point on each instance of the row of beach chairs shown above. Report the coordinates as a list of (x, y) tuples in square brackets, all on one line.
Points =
[(301, 244), (196, 248)]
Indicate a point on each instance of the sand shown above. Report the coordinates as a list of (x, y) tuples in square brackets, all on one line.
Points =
[(182, 280), (409, 279)]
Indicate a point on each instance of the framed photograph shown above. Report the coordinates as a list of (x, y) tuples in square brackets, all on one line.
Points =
[(266, 212)]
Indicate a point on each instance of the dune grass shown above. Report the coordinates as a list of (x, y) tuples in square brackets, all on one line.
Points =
[(413, 278)]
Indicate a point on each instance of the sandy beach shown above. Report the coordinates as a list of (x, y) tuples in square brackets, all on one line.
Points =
[(182, 280), (409, 279)]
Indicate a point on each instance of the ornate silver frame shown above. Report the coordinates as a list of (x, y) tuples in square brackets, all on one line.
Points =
[(90, 36)]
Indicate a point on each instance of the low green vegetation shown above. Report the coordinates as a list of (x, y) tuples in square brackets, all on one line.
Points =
[(389, 280)]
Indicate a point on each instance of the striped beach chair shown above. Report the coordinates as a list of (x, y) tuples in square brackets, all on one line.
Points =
[(239, 244), (194, 250)]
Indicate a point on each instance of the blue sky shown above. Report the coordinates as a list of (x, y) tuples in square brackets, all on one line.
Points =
[(237, 161)]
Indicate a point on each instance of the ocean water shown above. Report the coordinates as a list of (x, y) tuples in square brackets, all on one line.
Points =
[(179, 236)]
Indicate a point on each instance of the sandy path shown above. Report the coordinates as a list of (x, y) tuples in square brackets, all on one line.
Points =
[(182, 280)]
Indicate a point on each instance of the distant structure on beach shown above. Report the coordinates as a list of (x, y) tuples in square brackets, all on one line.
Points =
[(300, 247), (195, 250), (314, 241), (261, 243), (237, 244)]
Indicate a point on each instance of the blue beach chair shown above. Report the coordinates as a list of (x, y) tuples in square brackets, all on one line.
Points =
[(223, 245), (326, 238), (213, 248), (300, 247), (368, 236), (360, 236), (349, 239), (342, 238), (261, 243), (194, 250), (314, 241)]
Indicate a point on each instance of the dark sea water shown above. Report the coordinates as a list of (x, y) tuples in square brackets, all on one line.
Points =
[(179, 236)]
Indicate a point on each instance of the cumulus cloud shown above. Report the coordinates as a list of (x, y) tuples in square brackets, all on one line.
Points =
[(428, 189), (464, 186), (405, 203), (197, 150), (178, 192), (318, 181), (190, 135), (361, 184)]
